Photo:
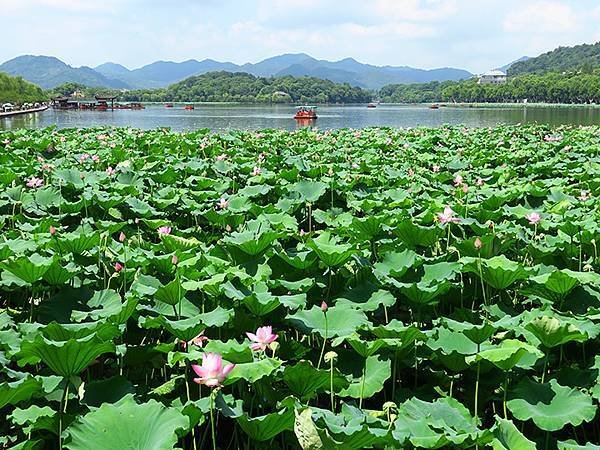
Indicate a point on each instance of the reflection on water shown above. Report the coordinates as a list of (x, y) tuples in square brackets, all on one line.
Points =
[(223, 117)]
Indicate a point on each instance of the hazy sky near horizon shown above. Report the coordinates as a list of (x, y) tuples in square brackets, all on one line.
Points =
[(472, 34)]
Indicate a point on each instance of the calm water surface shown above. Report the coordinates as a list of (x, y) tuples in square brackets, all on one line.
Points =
[(223, 117)]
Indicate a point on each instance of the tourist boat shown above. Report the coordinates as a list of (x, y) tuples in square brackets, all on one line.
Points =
[(168, 105), (306, 112), (189, 107), (434, 107), (372, 105)]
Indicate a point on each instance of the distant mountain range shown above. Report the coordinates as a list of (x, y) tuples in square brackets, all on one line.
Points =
[(49, 72), (585, 57)]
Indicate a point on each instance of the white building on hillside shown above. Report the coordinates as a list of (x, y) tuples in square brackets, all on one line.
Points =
[(492, 77)]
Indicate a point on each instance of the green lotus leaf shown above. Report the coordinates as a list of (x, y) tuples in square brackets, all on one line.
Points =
[(300, 260), (307, 190), (266, 427), (414, 235), (253, 371), (78, 241), (230, 350), (376, 372), (572, 445), (254, 240), (12, 393), (366, 297), (307, 382), (476, 333), (29, 269), (508, 437), (187, 329), (396, 264), (552, 332), (435, 425), (110, 390), (35, 418), (499, 272), (341, 320), (65, 358), (367, 348), (57, 275), (550, 405), (126, 424), (173, 243), (329, 251), (171, 293), (354, 428), (396, 329), (507, 354)]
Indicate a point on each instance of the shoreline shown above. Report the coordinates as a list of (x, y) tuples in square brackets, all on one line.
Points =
[(22, 111)]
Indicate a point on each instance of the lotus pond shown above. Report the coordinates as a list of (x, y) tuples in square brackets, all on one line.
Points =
[(420, 288)]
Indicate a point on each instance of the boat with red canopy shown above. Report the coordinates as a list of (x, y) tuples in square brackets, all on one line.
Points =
[(306, 112)]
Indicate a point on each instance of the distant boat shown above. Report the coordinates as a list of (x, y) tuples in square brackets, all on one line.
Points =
[(168, 105), (372, 105), (189, 107), (434, 107), (306, 112)]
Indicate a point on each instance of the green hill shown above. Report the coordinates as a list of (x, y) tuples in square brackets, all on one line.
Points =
[(584, 57), (17, 90)]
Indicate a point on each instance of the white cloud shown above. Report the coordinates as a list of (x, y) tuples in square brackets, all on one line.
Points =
[(541, 17), (416, 10)]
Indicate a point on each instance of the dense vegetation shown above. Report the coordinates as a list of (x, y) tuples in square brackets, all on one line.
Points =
[(16, 90), (584, 58), (238, 87), (243, 87), (550, 87), (421, 288)]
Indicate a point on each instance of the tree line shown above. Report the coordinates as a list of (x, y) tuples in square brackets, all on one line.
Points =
[(16, 90), (553, 87)]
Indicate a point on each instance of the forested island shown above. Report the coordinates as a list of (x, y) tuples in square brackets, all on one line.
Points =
[(237, 87)]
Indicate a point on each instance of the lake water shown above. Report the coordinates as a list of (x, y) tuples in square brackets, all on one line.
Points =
[(219, 117)]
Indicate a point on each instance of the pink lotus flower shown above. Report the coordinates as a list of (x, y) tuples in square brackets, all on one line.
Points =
[(447, 216), (52, 230), (435, 168), (324, 306), (330, 172), (35, 182), (96, 158), (534, 218), (83, 158), (101, 137), (198, 341), (355, 166), (222, 157), (112, 145), (110, 171), (256, 171), (211, 373), (118, 267), (261, 157), (40, 159), (583, 196), (63, 139), (164, 230), (550, 138), (479, 182), (477, 244), (263, 337), (411, 172), (465, 188), (223, 204), (458, 180)]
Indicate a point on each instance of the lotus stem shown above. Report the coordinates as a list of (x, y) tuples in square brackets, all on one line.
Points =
[(362, 386), (212, 420), (331, 385), (324, 342), (504, 397), (545, 366)]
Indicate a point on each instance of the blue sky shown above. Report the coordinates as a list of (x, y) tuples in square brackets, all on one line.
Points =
[(473, 34)]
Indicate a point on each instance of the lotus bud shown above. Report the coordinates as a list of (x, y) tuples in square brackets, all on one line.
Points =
[(52, 230), (174, 260), (228, 228), (302, 233), (324, 306), (122, 237), (118, 267), (477, 243), (329, 356)]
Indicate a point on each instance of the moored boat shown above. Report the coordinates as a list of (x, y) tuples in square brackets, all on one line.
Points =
[(189, 107), (434, 107), (372, 105), (168, 105)]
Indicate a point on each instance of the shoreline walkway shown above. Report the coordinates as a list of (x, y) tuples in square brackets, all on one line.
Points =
[(23, 111)]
